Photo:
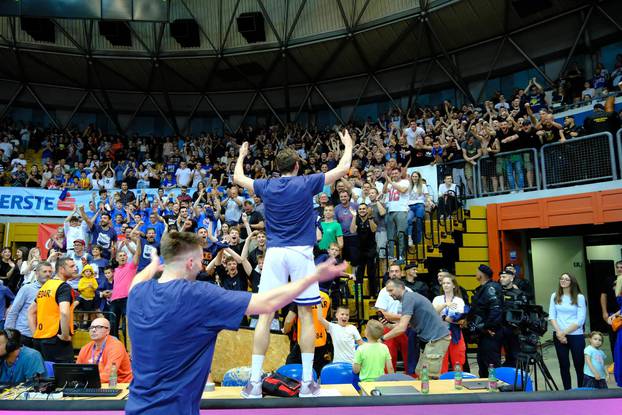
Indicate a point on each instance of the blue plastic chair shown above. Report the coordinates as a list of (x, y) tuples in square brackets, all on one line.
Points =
[(506, 374), (294, 371), (237, 376), (49, 368), (338, 374), (450, 375)]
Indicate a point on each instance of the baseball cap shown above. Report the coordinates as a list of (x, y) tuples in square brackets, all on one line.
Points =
[(507, 271), (411, 265), (599, 106)]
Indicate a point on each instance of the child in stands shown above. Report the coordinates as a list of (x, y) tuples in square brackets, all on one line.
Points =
[(344, 335), (372, 359)]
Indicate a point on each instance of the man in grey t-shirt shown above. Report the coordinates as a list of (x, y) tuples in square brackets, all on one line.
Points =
[(418, 312)]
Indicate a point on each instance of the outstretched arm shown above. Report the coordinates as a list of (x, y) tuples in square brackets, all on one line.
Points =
[(269, 301), (346, 160), (238, 173)]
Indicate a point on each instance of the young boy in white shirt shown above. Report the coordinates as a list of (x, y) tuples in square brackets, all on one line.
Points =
[(344, 335)]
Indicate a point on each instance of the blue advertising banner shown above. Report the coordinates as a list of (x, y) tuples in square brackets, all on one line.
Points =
[(28, 201)]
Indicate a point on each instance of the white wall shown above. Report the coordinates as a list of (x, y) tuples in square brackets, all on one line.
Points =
[(605, 253), (552, 257)]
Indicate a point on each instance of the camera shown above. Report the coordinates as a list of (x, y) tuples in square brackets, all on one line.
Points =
[(530, 321)]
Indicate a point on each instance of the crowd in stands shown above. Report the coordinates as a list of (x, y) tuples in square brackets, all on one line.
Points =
[(101, 246)]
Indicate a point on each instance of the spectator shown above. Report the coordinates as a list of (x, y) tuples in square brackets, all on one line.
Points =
[(105, 350), (396, 190), (9, 273), (419, 314), (604, 118), (364, 227), (372, 359), (233, 206), (331, 230), (378, 213), (19, 176), (123, 276), (6, 298), (451, 308), (418, 196), (447, 197), (471, 151), (87, 287), (391, 310), (567, 313), (345, 213), (17, 315), (344, 336), (251, 217)]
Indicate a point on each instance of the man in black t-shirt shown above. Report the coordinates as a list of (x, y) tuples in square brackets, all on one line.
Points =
[(231, 276), (604, 118), (608, 304)]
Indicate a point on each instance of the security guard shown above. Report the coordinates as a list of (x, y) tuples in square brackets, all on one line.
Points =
[(486, 318), (513, 299), (50, 316)]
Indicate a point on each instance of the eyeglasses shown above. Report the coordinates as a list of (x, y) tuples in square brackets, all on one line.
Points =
[(565, 279), (98, 327)]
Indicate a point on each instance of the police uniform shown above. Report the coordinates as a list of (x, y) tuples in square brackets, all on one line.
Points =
[(513, 299), (486, 304)]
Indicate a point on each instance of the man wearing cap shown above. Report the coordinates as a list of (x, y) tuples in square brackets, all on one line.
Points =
[(413, 283), (485, 319), (74, 229), (513, 299)]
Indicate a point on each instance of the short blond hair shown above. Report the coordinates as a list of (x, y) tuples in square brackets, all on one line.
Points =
[(375, 329), (175, 244)]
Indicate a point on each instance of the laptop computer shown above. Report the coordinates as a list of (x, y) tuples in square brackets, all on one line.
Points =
[(71, 375), (397, 390)]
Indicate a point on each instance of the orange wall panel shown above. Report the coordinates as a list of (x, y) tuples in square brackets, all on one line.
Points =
[(578, 209)]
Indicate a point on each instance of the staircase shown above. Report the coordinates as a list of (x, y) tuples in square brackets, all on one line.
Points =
[(465, 235)]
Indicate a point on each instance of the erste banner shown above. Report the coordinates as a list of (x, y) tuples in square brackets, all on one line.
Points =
[(30, 201)]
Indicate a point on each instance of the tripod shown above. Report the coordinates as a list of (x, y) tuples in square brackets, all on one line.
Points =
[(530, 361)]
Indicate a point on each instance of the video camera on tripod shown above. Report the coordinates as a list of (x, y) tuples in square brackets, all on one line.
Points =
[(531, 321)]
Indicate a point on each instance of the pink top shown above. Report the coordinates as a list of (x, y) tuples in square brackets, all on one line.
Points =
[(123, 277)]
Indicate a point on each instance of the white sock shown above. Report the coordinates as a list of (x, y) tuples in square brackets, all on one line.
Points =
[(307, 367), (256, 366)]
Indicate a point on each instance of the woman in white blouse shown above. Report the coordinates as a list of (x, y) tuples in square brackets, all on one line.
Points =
[(417, 197), (567, 316), (450, 306)]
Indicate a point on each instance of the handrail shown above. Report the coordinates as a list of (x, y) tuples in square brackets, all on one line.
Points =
[(545, 147), (478, 171), (619, 136)]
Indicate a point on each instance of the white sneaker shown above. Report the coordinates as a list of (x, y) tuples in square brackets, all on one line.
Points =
[(309, 389), (410, 241), (252, 390)]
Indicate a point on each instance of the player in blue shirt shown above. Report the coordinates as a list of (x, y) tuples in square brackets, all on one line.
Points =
[(174, 320), (291, 233)]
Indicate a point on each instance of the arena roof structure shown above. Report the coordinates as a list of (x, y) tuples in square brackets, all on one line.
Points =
[(316, 53)]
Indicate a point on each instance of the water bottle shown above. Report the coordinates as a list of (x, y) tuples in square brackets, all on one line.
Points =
[(112, 381), (492, 379), (425, 380), (457, 377)]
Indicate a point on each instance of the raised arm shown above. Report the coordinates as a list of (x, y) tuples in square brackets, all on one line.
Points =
[(345, 161), (239, 177)]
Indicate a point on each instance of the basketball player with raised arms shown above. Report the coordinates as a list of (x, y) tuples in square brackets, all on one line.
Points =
[(290, 228)]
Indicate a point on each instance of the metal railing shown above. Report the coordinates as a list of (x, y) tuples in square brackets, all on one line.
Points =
[(518, 169), (585, 159)]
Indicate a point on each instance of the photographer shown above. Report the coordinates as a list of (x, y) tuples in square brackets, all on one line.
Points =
[(513, 300), (485, 320)]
